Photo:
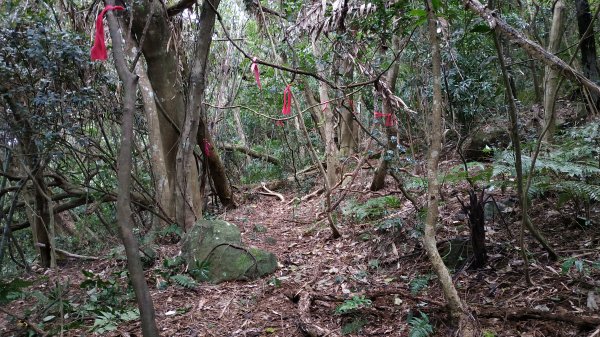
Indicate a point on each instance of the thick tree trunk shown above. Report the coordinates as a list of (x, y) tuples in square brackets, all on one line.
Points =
[(455, 306), (164, 75), (162, 185), (124, 164), (187, 210), (588, 47), (162, 59), (551, 76)]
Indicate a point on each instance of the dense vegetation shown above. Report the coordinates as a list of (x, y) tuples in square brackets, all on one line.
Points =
[(414, 119)]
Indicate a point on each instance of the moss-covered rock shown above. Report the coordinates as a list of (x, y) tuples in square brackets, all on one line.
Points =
[(216, 247)]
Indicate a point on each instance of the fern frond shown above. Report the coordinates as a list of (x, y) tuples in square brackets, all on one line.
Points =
[(579, 188), (420, 326), (184, 281)]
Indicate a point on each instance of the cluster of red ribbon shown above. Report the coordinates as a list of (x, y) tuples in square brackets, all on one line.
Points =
[(287, 100), (390, 118), (98, 51), (207, 147), (254, 68)]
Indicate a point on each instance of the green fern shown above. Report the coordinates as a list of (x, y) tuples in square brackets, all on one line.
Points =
[(184, 281), (420, 327), (372, 209), (579, 188), (353, 304), (419, 283), (12, 290), (569, 169)]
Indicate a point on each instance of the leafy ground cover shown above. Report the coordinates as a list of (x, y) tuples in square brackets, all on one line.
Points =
[(374, 281)]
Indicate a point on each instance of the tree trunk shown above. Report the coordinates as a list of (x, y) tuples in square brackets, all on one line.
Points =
[(331, 150), (124, 164), (163, 72), (588, 47), (39, 218), (382, 170), (162, 59), (216, 168), (316, 112), (189, 211), (239, 126), (456, 311), (31, 163), (162, 185), (348, 144), (551, 76)]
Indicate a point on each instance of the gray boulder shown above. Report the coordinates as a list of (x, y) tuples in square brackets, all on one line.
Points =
[(214, 252)]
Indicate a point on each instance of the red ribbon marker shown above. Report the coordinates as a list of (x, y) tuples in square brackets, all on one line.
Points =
[(98, 51), (207, 147), (254, 68), (287, 100), (325, 105), (390, 119)]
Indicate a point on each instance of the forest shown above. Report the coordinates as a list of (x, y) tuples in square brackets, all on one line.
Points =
[(299, 168)]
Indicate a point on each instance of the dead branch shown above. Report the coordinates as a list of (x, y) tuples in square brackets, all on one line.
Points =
[(271, 193), (68, 254), (306, 324)]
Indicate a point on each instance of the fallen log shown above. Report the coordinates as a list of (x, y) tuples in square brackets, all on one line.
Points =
[(251, 153), (526, 313)]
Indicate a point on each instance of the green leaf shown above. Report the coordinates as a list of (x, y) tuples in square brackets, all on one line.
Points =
[(566, 265), (417, 12)]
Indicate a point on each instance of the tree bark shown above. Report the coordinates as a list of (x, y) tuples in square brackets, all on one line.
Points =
[(134, 264), (216, 168), (162, 185), (348, 144), (163, 63), (382, 170), (551, 76), (194, 130), (251, 153), (316, 112), (31, 163), (455, 306), (331, 150), (588, 47)]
